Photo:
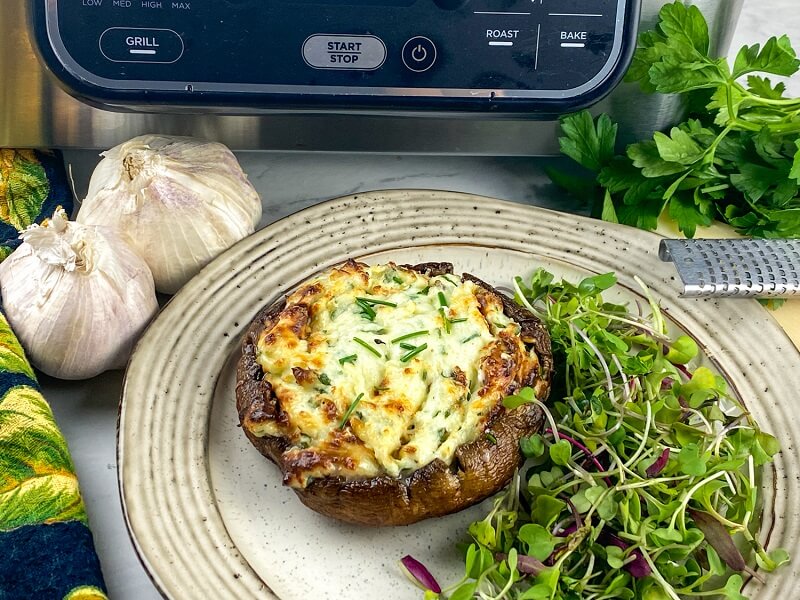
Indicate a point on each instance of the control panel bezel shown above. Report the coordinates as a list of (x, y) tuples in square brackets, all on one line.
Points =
[(154, 94)]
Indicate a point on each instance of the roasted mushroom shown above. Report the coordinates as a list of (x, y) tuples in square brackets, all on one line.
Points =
[(378, 390)]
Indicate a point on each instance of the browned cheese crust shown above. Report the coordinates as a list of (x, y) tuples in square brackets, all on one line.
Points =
[(479, 469)]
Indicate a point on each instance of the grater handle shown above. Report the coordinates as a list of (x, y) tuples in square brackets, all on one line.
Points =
[(735, 268)]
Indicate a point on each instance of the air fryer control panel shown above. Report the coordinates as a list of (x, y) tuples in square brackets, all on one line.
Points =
[(513, 55)]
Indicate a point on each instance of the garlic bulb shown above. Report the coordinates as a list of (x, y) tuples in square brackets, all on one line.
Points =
[(181, 201), (77, 297)]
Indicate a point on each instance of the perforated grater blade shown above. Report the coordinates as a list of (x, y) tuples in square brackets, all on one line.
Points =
[(740, 268)]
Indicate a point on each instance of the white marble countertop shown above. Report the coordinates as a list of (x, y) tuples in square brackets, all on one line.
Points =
[(87, 411)]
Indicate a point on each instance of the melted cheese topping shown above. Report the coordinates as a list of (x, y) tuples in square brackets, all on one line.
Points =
[(381, 370)]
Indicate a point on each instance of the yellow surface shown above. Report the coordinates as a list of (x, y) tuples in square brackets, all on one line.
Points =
[(787, 316)]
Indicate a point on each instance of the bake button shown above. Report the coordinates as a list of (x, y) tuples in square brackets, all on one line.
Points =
[(419, 54), (126, 44), (350, 52)]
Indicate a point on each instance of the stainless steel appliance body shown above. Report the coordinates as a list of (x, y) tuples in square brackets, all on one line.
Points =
[(36, 112)]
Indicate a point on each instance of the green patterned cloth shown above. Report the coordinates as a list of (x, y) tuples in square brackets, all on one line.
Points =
[(46, 547), (32, 185)]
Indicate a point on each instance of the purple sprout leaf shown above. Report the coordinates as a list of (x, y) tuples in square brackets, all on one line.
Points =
[(418, 573), (638, 568), (525, 564), (661, 462), (719, 538)]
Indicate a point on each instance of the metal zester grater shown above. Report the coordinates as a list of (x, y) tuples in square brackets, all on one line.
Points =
[(741, 268)]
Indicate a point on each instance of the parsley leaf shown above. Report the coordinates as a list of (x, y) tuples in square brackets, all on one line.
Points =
[(587, 142), (777, 57)]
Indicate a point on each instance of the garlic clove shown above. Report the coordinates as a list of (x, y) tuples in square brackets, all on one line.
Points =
[(78, 297), (181, 202)]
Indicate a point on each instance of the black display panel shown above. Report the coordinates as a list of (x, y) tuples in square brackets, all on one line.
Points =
[(507, 55)]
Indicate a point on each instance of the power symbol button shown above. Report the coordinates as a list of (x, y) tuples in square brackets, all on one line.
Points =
[(419, 54)]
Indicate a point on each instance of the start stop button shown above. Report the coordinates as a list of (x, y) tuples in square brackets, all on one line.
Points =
[(127, 44), (356, 52)]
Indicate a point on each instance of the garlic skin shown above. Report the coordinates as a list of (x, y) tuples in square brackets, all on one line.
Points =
[(181, 201), (77, 296)]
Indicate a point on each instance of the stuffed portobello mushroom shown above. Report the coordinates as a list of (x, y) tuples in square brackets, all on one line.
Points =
[(378, 390)]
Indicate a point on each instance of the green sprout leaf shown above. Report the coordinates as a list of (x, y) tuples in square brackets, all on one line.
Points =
[(692, 460), (532, 446), (537, 541), (561, 452), (682, 350)]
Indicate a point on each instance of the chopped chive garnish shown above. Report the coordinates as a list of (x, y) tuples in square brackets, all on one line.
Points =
[(405, 346), (348, 359), (424, 291), (409, 336), (455, 283), (445, 320), (397, 280), (373, 301), (324, 379), (491, 438), (350, 410), (366, 310), (458, 320), (367, 345), (470, 338), (442, 299), (412, 353)]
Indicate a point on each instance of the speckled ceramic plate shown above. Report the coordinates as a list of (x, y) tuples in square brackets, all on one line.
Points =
[(207, 512)]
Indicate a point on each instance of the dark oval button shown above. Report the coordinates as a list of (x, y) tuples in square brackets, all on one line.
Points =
[(126, 44)]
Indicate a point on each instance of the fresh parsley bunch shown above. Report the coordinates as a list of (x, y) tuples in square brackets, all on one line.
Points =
[(737, 159)]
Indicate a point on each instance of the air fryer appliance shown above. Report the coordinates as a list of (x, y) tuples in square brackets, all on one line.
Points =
[(454, 76)]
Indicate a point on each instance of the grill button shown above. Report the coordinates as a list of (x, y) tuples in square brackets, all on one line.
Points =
[(137, 45)]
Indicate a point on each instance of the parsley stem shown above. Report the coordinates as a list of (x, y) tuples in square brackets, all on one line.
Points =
[(350, 410), (368, 346)]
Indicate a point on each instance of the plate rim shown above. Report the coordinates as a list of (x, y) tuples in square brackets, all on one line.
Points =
[(185, 295)]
